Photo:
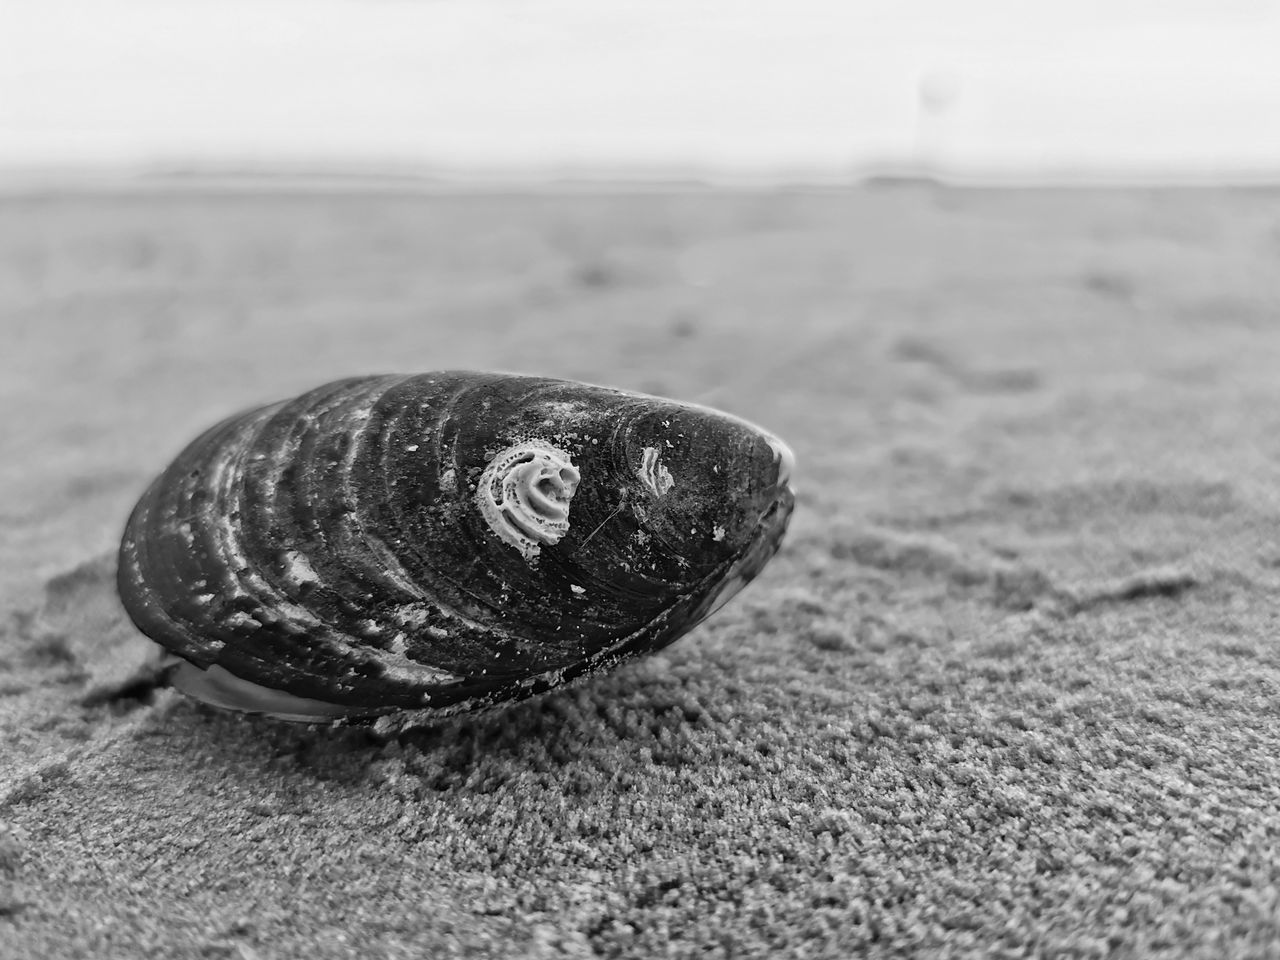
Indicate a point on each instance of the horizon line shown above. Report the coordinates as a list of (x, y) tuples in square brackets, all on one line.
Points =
[(394, 176)]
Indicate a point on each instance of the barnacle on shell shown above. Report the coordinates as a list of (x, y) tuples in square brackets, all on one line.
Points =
[(423, 544), (524, 494)]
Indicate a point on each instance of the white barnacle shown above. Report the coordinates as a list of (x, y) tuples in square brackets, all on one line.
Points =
[(298, 569), (524, 493), (653, 473)]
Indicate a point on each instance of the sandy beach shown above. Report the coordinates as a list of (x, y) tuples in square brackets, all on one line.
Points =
[(1009, 689)]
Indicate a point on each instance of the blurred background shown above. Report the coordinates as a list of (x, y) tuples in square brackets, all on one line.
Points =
[(788, 91)]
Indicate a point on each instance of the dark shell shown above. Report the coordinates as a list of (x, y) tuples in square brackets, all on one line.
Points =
[(444, 541)]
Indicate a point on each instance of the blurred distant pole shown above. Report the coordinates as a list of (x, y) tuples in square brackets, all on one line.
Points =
[(936, 93)]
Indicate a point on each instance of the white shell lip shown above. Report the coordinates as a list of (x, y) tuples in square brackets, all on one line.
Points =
[(221, 688), (784, 457)]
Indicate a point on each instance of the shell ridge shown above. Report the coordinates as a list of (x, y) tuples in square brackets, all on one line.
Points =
[(292, 632), (277, 493), (379, 563), (414, 618), (179, 498), (441, 587), (327, 527), (275, 610), (357, 560), (142, 605)]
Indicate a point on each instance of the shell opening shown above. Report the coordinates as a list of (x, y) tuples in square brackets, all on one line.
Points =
[(524, 495)]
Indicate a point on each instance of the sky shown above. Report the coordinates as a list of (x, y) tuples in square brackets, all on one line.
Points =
[(789, 89)]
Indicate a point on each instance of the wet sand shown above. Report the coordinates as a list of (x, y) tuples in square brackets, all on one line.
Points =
[(1010, 688)]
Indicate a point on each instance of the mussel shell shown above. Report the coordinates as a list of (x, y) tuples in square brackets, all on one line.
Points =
[(331, 547)]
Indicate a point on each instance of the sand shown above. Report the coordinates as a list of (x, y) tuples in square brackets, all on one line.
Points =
[(1010, 688)]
